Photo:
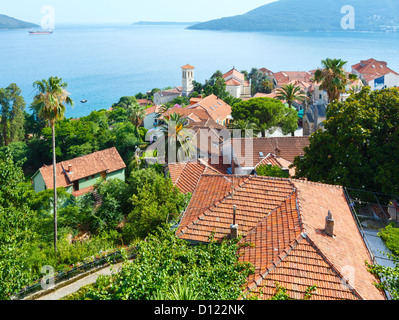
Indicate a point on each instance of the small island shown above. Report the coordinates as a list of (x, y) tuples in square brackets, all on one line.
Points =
[(9, 23)]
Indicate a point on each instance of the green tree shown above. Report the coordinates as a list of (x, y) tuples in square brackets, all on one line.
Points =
[(247, 127), (290, 93), (12, 106), (155, 204), (164, 262), (17, 221), (136, 114), (50, 104), (259, 82), (268, 113), (176, 138), (333, 78), (359, 147), (271, 171)]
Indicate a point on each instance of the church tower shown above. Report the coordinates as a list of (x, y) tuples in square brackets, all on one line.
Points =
[(188, 78)]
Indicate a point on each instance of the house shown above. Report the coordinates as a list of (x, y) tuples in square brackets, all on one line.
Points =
[(248, 153), (145, 102), (376, 74), (236, 84), (286, 77), (218, 110), (185, 175), (296, 233), (79, 175), (151, 118), (165, 96)]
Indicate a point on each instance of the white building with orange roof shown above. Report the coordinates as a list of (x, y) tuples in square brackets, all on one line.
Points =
[(376, 74), (236, 84)]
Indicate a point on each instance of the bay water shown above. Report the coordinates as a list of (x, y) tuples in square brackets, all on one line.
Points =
[(103, 63)]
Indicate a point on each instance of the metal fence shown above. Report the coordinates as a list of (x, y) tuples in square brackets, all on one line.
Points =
[(69, 274)]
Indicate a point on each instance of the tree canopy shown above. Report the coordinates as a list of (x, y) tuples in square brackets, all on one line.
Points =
[(359, 147), (268, 112)]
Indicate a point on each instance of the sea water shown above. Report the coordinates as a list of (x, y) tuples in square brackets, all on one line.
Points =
[(103, 63)]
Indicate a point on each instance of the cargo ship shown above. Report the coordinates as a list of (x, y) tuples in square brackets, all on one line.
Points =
[(41, 32)]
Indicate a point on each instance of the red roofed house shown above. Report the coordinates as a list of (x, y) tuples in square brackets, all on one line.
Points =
[(218, 110), (301, 234), (248, 153), (151, 118), (236, 84), (79, 175), (376, 74)]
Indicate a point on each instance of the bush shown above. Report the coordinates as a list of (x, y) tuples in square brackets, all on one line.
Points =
[(166, 266)]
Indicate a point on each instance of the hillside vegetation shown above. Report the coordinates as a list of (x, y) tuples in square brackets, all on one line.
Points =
[(311, 15)]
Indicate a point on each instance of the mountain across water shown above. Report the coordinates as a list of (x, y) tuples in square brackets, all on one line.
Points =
[(313, 16), (7, 22)]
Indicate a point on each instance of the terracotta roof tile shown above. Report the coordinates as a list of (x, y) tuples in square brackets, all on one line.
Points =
[(284, 221), (216, 108), (285, 147), (107, 160)]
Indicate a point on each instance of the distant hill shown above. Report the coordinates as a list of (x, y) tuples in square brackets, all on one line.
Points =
[(311, 15), (7, 22), (167, 23)]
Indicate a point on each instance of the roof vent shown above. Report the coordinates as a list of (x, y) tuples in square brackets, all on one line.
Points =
[(261, 155)]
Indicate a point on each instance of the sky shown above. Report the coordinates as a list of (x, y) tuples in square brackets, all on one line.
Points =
[(127, 11)]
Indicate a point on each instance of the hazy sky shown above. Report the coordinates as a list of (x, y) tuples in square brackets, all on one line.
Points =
[(127, 11)]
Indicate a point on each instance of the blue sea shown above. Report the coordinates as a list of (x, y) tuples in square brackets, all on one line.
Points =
[(103, 63)]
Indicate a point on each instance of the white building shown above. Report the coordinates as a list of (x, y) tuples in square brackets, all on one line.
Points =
[(187, 80), (236, 84), (376, 74)]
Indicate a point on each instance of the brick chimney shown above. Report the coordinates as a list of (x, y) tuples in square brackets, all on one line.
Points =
[(234, 226), (69, 168), (329, 229)]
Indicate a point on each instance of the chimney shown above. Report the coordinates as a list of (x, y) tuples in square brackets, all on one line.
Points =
[(329, 229), (234, 226), (69, 168)]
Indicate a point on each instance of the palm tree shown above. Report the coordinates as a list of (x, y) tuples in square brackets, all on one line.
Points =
[(177, 136), (245, 126), (290, 92), (49, 104), (136, 114), (333, 78)]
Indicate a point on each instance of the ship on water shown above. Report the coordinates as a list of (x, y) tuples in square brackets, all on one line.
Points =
[(41, 32)]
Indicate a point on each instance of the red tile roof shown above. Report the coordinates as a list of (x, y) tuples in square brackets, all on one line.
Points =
[(216, 108), (107, 160), (187, 66), (233, 83), (285, 147), (285, 77), (235, 73), (277, 161), (284, 221), (372, 69), (187, 174)]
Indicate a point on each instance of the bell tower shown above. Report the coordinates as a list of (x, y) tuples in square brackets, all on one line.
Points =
[(187, 80)]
